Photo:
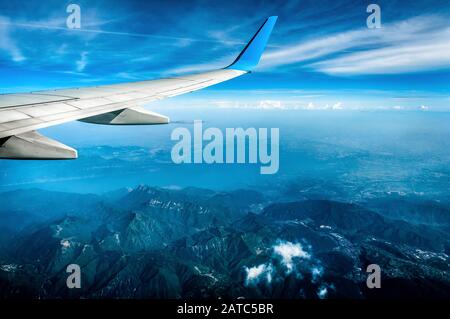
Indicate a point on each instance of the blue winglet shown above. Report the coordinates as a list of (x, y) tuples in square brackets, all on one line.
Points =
[(250, 56)]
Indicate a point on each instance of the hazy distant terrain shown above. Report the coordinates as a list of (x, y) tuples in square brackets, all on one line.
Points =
[(356, 154)]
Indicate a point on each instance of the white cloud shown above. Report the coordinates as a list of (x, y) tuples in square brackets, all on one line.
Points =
[(401, 58), (7, 42), (337, 106), (411, 45), (127, 76), (288, 251), (82, 62), (65, 243), (316, 273), (263, 104), (288, 259), (255, 274), (200, 67), (324, 289), (270, 104), (322, 292), (310, 106), (276, 105), (223, 37)]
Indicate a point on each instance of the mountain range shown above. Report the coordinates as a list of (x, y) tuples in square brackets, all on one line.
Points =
[(150, 242)]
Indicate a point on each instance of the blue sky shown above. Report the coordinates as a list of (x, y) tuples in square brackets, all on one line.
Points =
[(321, 54)]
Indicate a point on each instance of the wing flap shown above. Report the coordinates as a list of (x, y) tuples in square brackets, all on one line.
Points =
[(32, 145), (47, 109), (130, 116), (25, 99), (89, 103), (12, 115)]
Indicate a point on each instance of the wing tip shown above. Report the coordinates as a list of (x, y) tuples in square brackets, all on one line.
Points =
[(250, 56)]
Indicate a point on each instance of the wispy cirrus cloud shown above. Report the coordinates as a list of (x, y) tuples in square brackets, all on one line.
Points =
[(431, 53), (82, 62), (7, 42), (58, 25), (415, 44)]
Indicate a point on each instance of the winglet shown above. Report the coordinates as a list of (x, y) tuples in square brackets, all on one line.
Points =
[(250, 56)]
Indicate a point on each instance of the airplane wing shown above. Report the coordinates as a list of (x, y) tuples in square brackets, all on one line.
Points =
[(22, 114)]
